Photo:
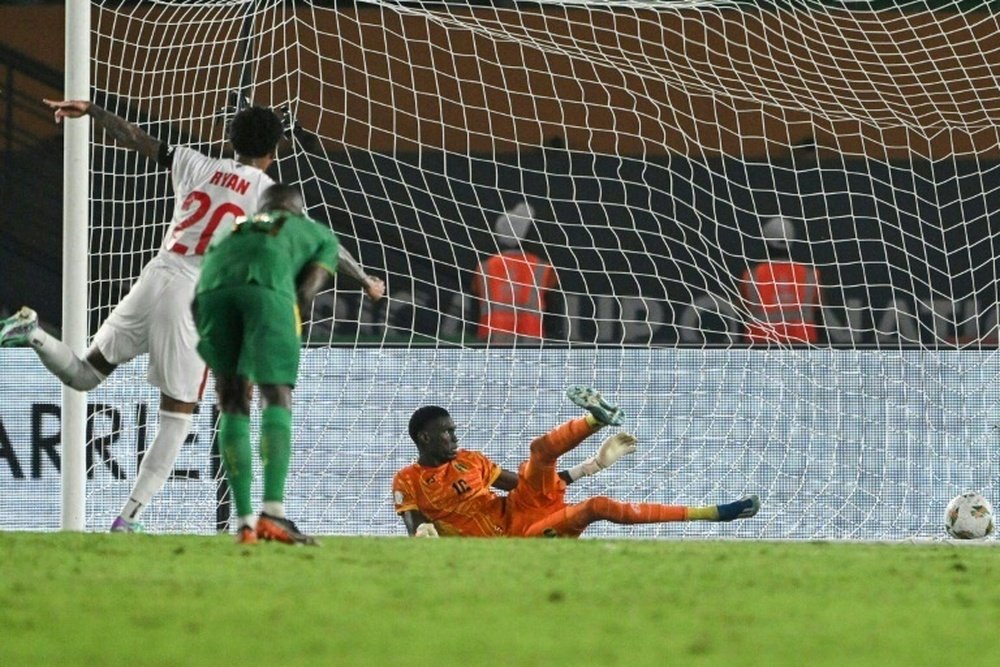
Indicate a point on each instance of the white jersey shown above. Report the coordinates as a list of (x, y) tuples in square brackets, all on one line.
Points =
[(209, 195), (155, 316)]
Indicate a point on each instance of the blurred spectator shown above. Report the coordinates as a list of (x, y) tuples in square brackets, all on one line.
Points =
[(780, 295), (515, 286)]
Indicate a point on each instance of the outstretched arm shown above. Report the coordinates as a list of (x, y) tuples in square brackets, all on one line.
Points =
[(122, 131), (507, 481), (346, 263)]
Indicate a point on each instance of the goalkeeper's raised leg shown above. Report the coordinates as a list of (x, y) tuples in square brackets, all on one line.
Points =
[(591, 400)]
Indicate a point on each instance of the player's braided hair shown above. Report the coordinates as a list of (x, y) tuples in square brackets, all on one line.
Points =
[(255, 131), (422, 416)]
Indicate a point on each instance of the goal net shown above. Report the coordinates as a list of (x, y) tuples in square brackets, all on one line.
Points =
[(643, 150)]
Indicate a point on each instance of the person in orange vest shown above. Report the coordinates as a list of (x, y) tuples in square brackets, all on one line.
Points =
[(781, 296), (515, 286)]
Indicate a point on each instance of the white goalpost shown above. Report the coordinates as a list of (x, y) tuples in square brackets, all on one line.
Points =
[(76, 259), (651, 144)]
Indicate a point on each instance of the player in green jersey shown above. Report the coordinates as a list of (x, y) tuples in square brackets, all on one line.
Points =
[(254, 284)]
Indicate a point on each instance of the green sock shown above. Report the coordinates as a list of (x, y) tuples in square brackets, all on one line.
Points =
[(707, 513), (275, 450), (237, 458)]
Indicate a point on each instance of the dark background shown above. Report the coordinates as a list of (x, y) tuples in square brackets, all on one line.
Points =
[(895, 239), (883, 235)]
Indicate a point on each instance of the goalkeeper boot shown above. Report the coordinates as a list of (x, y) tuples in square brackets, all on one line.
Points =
[(246, 535), (15, 331), (120, 525), (281, 529), (592, 401), (744, 508)]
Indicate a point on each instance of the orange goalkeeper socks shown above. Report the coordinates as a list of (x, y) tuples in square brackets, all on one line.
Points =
[(630, 513), (573, 520)]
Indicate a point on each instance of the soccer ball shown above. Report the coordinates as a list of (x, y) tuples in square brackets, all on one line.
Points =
[(969, 517)]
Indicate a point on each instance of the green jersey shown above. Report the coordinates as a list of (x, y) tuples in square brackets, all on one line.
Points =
[(270, 250)]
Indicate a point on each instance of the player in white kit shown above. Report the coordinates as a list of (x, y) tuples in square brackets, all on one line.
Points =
[(155, 316)]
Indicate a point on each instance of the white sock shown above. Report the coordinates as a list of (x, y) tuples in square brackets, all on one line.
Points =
[(248, 520), (63, 362), (158, 462), (274, 508)]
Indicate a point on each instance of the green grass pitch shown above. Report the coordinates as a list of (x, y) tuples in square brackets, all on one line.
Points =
[(100, 599)]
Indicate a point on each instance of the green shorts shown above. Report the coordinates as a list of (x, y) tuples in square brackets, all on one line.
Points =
[(249, 331)]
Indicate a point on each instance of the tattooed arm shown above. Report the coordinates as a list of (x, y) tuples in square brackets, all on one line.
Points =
[(346, 263), (122, 131)]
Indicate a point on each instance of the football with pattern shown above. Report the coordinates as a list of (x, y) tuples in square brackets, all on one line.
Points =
[(969, 517)]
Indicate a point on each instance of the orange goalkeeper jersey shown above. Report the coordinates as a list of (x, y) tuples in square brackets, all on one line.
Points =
[(456, 496)]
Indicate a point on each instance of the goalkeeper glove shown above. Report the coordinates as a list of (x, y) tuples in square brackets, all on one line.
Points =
[(426, 530), (612, 449)]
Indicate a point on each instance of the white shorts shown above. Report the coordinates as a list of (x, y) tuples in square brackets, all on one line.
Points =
[(155, 317)]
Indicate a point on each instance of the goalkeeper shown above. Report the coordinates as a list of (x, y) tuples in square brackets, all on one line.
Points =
[(448, 490), (254, 284)]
